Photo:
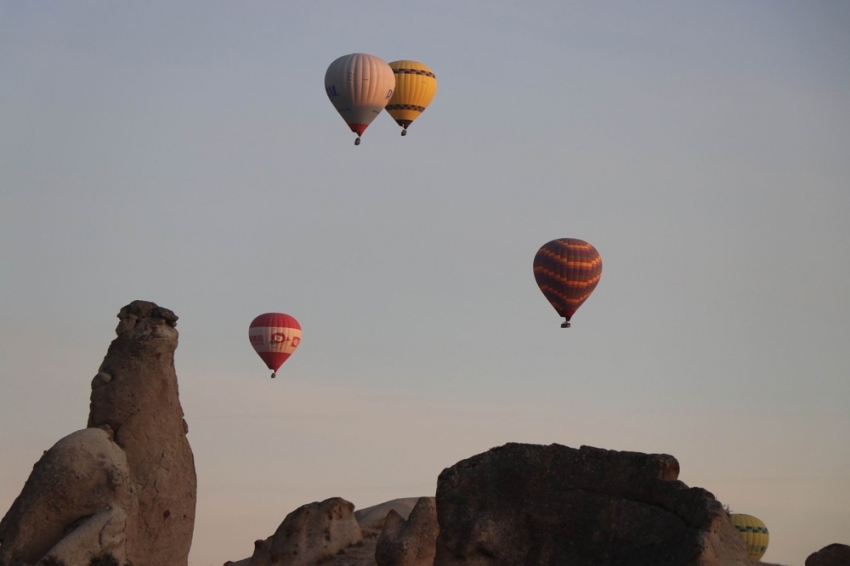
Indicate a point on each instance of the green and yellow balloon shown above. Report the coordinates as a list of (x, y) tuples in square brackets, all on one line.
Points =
[(754, 533)]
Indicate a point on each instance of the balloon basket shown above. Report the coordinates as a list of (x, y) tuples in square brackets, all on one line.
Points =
[(404, 132), (565, 324), (357, 141), (274, 375)]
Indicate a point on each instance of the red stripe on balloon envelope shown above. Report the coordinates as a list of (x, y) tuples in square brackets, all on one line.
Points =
[(274, 336), (275, 319)]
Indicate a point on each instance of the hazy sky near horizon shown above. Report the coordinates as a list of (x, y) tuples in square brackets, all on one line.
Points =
[(185, 153)]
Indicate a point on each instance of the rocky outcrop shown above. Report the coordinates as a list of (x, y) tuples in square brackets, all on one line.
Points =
[(552, 505), (373, 518), (350, 550), (135, 393), (410, 542), (123, 489), (832, 555), (81, 484), (313, 533)]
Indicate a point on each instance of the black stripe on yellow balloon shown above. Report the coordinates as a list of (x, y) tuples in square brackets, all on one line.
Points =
[(749, 529), (416, 86), (406, 107), (414, 72)]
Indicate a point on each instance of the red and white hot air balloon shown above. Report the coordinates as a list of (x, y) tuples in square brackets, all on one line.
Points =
[(274, 337)]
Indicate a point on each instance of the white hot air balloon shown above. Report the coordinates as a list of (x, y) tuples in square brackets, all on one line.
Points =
[(359, 86)]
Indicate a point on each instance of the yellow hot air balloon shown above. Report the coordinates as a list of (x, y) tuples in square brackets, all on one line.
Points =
[(415, 87), (754, 532)]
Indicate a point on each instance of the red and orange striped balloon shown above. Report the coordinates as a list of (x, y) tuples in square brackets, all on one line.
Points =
[(567, 271), (274, 337)]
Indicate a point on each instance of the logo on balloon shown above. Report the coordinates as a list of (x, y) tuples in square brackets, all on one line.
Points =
[(281, 338)]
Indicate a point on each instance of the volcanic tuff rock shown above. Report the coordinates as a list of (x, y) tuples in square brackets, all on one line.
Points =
[(552, 505), (832, 555), (374, 517), (313, 533), (126, 485), (135, 393), (82, 482), (371, 521), (411, 542)]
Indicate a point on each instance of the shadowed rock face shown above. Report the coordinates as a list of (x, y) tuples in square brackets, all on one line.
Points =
[(324, 533), (552, 505), (832, 555), (135, 393), (374, 517), (410, 542)]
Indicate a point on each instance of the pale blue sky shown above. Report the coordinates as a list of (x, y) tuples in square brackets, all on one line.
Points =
[(187, 154)]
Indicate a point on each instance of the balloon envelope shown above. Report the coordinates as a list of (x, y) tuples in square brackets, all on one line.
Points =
[(359, 86), (415, 87), (754, 533), (567, 271), (274, 337)]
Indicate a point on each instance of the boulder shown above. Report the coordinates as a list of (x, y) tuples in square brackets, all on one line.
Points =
[(410, 542), (523, 504), (135, 394), (373, 517), (832, 555), (82, 481), (315, 532)]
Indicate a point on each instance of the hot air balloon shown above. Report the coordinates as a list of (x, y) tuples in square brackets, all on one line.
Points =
[(754, 533), (567, 271), (274, 337), (359, 86), (415, 87)]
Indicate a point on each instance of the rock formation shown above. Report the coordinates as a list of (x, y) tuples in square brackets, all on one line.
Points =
[(313, 533), (125, 486), (358, 552), (373, 518), (552, 505), (832, 555), (82, 482), (409, 542), (135, 393)]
